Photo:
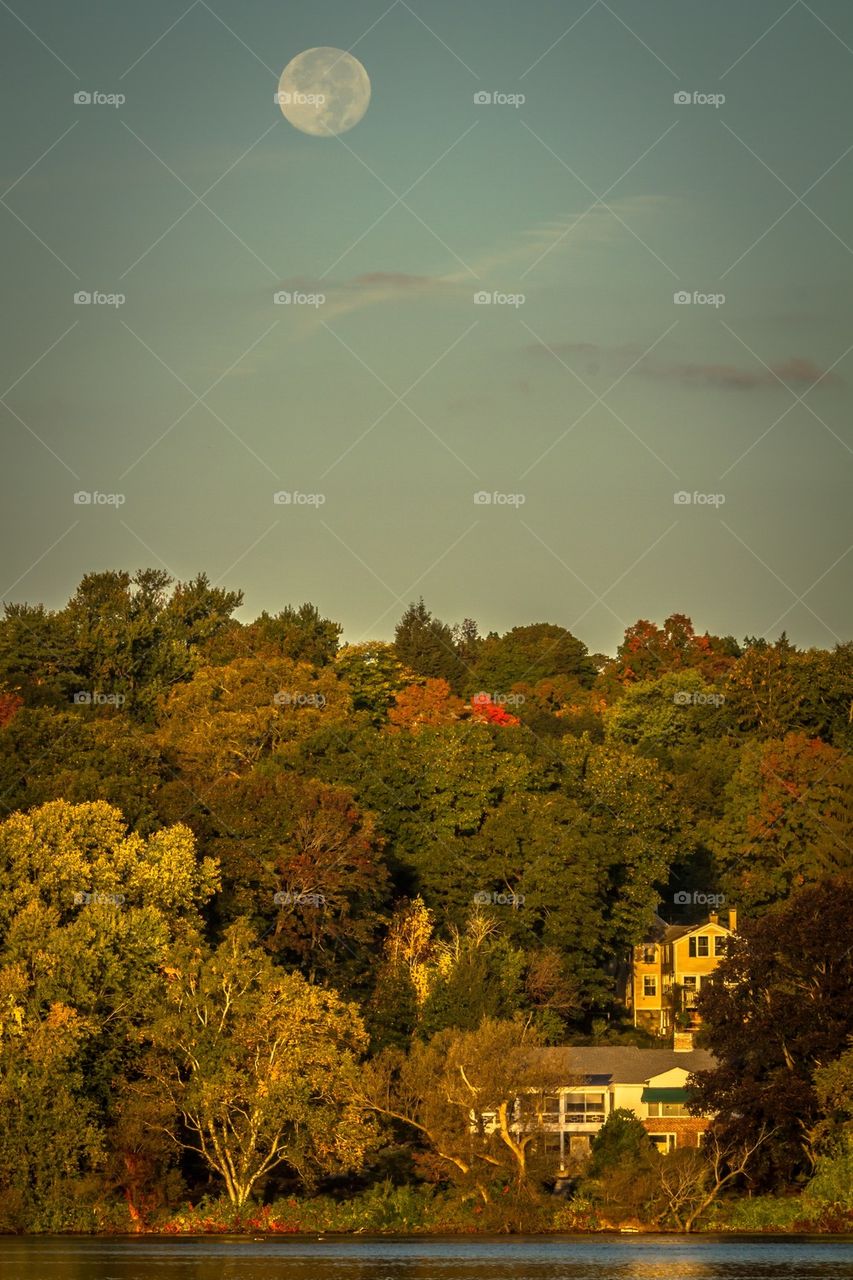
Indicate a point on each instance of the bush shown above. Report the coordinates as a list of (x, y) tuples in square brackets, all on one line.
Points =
[(577, 1214), (759, 1213), (832, 1184)]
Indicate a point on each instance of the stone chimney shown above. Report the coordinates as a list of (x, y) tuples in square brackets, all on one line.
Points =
[(682, 1041)]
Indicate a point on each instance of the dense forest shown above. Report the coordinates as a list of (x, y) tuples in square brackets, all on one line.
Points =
[(266, 897)]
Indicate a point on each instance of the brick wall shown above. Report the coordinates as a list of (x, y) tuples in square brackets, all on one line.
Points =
[(686, 1128)]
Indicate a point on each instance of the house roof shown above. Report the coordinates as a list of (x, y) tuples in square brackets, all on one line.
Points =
[(663, 932), (622, 1064)]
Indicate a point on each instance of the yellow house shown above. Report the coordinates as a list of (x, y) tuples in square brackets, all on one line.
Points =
[(668, 970)]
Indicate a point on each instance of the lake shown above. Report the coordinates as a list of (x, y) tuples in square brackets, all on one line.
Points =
[(397, 1258)]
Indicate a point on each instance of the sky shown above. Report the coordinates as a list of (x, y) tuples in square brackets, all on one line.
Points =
[(585, 447)]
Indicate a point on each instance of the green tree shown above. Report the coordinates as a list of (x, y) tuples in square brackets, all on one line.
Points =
[(87, 912), (779, 1007), (77, 755), (302, 859), (227, 719), (775, 689), (667, 717), (476, 1098), (539, 651), (261, 1067), (51, 1141), (302, 634), (374, 676), (788, 820), (427, 646)]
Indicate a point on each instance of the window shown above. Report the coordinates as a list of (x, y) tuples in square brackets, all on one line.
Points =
[(699, 946), (535, 1107), (584, 1108), (663, 1141), (673, 1109), (721, 946), (551, 1110), (650, 985), (649, 955), (691, 987)]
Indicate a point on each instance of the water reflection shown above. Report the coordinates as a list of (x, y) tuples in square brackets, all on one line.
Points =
[(512, 1258)]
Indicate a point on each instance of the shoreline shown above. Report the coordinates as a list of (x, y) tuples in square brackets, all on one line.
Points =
[(611, 1233)]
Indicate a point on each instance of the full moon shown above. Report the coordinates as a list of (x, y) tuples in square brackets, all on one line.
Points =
[(324, 91)]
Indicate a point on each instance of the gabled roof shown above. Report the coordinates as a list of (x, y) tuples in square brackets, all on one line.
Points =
[(621, 1064), (661, 932)]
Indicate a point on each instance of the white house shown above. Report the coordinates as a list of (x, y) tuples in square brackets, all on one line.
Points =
[(650, 1082)]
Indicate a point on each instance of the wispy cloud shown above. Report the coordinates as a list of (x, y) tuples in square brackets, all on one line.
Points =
[(498, 266), (592, 358)]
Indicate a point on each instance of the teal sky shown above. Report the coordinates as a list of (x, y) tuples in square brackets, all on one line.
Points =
[(398, 398)]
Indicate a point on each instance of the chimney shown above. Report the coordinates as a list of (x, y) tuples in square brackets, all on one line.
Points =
[(682, 1041), (714, 917), (733, 919)]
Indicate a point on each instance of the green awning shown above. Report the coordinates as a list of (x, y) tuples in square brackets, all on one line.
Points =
[(665, 1095)]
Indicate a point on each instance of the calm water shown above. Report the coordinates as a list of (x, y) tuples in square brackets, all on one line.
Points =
[(515, 1258)]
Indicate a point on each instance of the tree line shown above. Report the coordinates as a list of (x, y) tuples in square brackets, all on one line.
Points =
[(258, 888)]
